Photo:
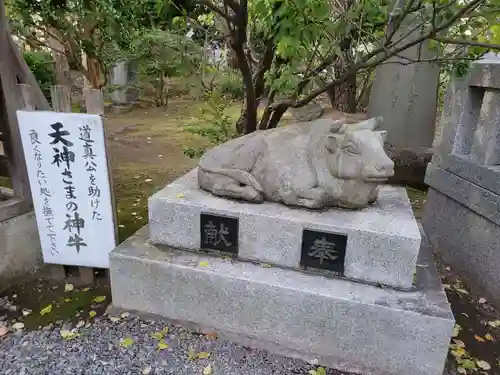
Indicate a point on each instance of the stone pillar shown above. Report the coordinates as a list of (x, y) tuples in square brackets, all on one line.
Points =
[(405, 95), (119, 77), (132, 91), (462, 212)]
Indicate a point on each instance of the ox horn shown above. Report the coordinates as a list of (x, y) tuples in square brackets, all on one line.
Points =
[(370, 124)]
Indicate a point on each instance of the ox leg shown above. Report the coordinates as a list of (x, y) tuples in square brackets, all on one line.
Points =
[(373, 196), (224, 186), (313, 198)]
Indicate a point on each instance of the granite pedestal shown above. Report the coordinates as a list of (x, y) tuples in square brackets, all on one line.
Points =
[(336, 323), (383, 239)]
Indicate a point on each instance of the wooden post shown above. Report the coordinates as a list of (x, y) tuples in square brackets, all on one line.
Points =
[(94, 101), (61, 98)]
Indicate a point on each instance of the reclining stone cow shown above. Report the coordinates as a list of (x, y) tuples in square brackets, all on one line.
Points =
[(314, 165)]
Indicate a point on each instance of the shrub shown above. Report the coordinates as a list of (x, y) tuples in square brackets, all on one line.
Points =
[(230, 85), (41, 65)]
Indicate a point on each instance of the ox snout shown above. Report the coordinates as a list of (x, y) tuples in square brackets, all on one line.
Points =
[(378, 172)]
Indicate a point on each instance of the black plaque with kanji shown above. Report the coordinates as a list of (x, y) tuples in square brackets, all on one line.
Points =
[(323, 250), (219, 233)]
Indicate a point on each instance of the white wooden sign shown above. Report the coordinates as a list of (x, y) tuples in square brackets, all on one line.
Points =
[(68, 172)]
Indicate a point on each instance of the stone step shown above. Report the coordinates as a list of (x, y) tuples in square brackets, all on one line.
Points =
[(336, 323), (378, 244)]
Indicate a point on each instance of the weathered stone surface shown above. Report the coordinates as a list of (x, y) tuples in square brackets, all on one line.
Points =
[(405, 94), (486, 176), (314, 165), (336, 323), (310, 112), (469, 242), (472, 196), (486, 73), (20, 251), (383, 238)]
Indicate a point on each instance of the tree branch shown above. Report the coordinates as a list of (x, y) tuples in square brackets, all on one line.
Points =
[(465, 42), (215, 9)]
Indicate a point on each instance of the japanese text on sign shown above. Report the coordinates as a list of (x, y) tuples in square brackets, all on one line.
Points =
[(67, 167)]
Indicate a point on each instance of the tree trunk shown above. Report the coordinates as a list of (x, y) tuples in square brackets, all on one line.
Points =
[(343, 96), (62, 71)]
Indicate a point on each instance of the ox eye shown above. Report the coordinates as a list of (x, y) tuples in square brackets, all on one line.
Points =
[(350, 149)]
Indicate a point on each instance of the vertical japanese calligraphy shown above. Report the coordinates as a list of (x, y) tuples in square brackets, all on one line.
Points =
[(48, 214), (66, 159), (323, 250), (219, 233)]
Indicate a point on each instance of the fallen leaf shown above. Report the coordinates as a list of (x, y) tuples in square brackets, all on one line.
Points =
[(211, 335), (46, 310), (68, 335), (157, 335), (459, 343), (318, 371), (447, 286), (463, 291), (80, 324), (467, 363), (162, 345), (92, 313), (67, 300), (85, 289), (207, 370), (203, 264), (114, 319), (483, 365), (18, 325), (125, 315), (489, 337), (482, 300), (265, 265), (203, 355), (26, 312), (99, 299), (494, 323), (3, 330), (191, 354), (448, 268), (148, 180), (422, 265), (479, 338), (180, 195), (458, 353), (461, 370), (456, 330), (466, 315), (69, 287), (146, 370), (127, 341)]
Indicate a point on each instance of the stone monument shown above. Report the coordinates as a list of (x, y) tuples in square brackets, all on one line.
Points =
[(336, 286), (464, 179)]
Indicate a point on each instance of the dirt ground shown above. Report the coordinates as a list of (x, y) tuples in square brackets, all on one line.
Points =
[(146, 148)]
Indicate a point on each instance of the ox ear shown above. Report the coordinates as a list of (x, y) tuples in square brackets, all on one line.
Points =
[(383, 134), (370, 124), (333, 142)]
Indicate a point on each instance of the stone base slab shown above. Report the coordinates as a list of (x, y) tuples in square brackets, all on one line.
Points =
[(20, 251), (382, 245), (469, 242), (336, 323)]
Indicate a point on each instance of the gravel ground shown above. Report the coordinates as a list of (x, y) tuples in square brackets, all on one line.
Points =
[(98, 350)]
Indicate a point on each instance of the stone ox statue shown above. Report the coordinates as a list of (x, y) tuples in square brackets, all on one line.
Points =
[(313, 165)]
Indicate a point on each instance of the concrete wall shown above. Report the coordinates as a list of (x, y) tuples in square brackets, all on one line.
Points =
[(20, 251)]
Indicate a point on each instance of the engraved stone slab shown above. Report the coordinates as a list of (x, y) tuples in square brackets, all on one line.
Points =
[(383, 239), (323, 250), (219, 233)]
